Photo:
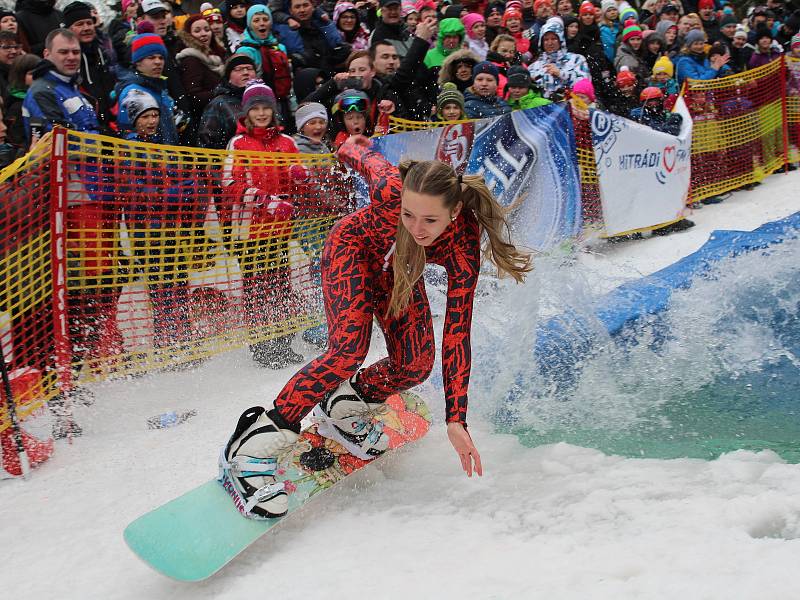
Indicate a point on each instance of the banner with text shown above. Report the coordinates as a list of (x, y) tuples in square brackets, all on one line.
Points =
[(527, 158), (643, 174)]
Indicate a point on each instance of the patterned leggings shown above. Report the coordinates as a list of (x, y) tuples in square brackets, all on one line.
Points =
[(356, 289)]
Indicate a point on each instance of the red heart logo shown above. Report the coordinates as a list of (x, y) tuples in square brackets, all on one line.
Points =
[(669, 158)]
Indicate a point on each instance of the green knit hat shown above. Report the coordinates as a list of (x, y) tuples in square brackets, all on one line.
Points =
[(449, 94)]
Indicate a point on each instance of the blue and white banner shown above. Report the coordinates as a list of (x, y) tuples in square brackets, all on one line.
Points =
[(643, 174), (527, 158)]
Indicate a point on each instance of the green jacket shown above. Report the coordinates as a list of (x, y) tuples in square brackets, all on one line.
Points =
[(435, 56), (530, 100)]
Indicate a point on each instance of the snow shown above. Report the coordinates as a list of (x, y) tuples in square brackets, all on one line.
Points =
[(556, 521)]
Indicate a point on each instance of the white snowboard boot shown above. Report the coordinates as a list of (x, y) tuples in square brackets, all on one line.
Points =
[(348, 418), (249, 462)]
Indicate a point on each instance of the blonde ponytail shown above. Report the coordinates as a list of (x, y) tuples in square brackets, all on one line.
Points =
[(435, 178)]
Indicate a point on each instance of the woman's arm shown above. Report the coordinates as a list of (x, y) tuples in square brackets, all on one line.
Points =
[(382, 177)]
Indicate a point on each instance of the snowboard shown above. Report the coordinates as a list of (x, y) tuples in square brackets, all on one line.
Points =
[(193, 536)]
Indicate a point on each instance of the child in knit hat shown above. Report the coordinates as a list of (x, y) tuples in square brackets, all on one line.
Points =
[(520, 93), (663, 78), (450, 104), (311, 120), (794, 47), (144, 112), (351, 109), (582, 98)]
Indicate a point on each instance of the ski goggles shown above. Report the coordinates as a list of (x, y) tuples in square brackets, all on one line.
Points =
[(351, 104)]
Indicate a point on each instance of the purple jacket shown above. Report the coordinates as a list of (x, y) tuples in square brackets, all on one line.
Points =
[(759, 60)]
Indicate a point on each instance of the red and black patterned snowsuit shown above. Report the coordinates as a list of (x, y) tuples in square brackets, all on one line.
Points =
[(357, 281)]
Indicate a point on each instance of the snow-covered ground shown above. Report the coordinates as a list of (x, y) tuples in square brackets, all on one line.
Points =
[(554, 522)]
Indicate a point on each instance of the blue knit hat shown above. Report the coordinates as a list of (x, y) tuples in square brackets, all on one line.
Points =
[(487, 68), (147, 44)]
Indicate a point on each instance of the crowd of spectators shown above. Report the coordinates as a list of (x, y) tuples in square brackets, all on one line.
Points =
[(360, 62)]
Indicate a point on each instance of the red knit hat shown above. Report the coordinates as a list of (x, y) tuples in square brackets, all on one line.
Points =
[(587, 8), (631, 32), (705, 4)]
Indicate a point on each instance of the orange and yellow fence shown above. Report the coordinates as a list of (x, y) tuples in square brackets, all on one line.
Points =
[(120, 257)]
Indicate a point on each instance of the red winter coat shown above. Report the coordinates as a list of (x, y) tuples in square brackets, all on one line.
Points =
[(258, 194)]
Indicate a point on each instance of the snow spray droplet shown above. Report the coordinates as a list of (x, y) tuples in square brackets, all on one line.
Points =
[(169, 419)]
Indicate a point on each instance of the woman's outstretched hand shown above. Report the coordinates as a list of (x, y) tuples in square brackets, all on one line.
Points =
[(466, 450)]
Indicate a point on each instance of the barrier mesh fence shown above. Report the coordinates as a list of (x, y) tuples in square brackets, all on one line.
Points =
[(793, 108)]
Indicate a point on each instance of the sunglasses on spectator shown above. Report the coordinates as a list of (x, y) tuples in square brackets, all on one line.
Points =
[(11, 47)]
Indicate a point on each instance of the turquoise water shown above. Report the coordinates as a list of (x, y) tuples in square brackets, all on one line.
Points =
[(718, 372)]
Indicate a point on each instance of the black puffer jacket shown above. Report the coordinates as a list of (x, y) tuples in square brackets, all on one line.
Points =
[(36, 19)]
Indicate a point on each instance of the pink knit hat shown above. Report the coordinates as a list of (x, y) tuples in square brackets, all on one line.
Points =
[(584, 86), (469, 20)]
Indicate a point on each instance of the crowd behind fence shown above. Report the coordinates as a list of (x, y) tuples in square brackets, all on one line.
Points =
[(98, 280)]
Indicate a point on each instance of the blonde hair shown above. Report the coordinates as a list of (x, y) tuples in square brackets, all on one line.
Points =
[(499, 39), (435, 178)]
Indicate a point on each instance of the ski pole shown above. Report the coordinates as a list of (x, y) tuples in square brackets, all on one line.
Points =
[(12, 413)]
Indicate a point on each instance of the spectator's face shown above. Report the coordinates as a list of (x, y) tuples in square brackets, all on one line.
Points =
[(612, 14), (463, 71), (451, 42), (9, 50), (147, 123), (587, 18), (545, 11), (9, 23), (759, 20), (684, 25), (550, 42), (261, 26), (451, 111), (479, 30), (627, 90), (65, 55), (347, 20), (201, 31), (411, 21), (85, 30), (484, 85), (360, 67), (239, 11), (516, 92), (706, 13), (130, 13), (217, 27), (315, 129), (635, 43), (764, 43), (427, 13), (507, 50), (301, 10), (729, 30), (241, 74), (355, 123), (391, 14), (527, 3), (513, 25), (654, 46), (564, 7), (386, 59), (494, 19), (160, 22), (697, 47), (151, 66), (661, 77), (739, 41), (572, 30), (670, 35), (260, 116)]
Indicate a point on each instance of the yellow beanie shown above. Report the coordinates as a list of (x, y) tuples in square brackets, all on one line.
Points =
[(664, 65)]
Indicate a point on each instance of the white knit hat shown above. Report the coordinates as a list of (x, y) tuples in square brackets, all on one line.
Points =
[(740, 31), (306, 112), (607, 5)]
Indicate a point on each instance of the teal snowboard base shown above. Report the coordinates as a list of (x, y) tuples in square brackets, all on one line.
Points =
[(193, 536)]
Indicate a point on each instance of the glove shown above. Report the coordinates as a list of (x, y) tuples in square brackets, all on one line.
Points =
[(298, 173), (279, 208)]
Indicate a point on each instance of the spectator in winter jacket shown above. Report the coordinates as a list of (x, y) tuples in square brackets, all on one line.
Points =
[(311, 122), (628, 53), (610, 28), (475, 26), (626, 98), (272, 62), (97, 67), (543, 10), (201, 67), (255, 210), (556, 70), (708, 20), (481, 100), (9, 50), (457, 68), (19, 80), (693, 64), (765, 51), (148, 55), (663, 79), (520, 93), (37, 18), (652, 112), (220, 118), (391, 28), (122, 29), (669, 31), (512, 21), (582, 98), (450, 104), (451, 36), (739, 51), (316, 42), (494, 20), (235, 15), (348, 22), (54, 97)]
